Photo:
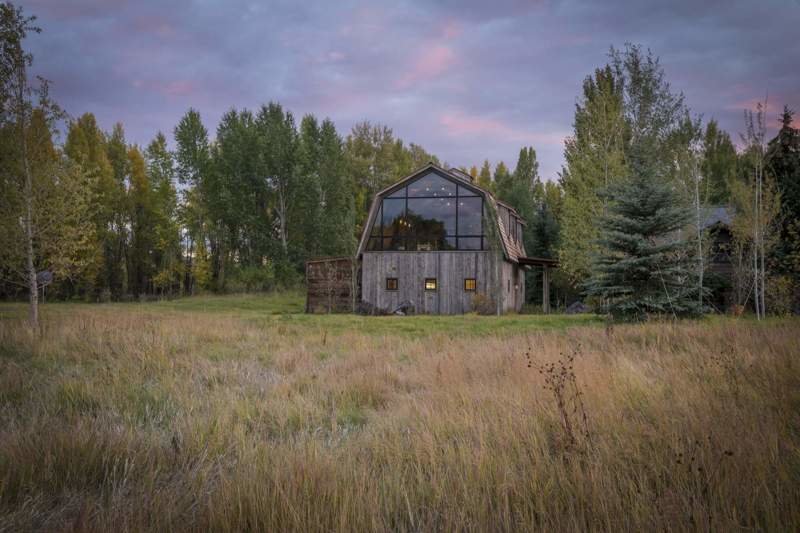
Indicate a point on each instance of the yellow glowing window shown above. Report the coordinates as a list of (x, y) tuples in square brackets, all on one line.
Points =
[(430, 284), (391, 284), (470, 284)]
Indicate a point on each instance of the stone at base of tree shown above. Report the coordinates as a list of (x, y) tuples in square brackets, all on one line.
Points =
[(577, 307)]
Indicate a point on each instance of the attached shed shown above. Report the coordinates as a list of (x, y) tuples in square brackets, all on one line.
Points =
[(331, 284)]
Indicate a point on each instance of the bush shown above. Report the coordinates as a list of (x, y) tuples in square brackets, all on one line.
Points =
[(780, 295), (252, 278), (287, 276), (483, 304)]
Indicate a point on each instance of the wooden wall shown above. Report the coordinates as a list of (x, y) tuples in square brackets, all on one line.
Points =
[(329, 285), (449, 268)]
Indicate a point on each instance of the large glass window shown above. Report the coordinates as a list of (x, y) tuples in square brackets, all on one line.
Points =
[(470, 216), (429, 214), (431, 185)]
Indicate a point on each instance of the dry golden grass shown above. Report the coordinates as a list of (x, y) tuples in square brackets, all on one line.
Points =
[(132, 421)]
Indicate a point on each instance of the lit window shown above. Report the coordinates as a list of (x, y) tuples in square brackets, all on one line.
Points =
[(470, 284), (430, 284), (391, 284)]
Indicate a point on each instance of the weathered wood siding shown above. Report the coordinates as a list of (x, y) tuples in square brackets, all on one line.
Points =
[(512, 287), (411, 268), (329, 285)]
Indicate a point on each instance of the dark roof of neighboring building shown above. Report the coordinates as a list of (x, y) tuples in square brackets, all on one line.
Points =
[(713, 215)]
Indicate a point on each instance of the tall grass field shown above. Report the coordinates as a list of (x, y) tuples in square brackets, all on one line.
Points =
[(242, 413)]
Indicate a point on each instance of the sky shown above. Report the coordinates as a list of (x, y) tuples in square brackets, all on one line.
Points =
[(467, 79)]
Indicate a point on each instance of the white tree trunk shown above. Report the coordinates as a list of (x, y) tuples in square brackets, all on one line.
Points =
[(30, 269)]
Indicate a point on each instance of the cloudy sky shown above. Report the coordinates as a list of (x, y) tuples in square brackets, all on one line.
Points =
[(468, 80)]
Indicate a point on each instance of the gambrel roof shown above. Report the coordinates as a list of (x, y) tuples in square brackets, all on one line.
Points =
[(512, 250)]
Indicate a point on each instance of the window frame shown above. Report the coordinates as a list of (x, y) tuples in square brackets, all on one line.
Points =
[(396, 284), (380, 239), (435, 284), (467, 284)]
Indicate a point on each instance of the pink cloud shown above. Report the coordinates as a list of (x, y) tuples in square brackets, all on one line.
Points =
[(451, 29), (432, 62), (774, 109), (459, 124)]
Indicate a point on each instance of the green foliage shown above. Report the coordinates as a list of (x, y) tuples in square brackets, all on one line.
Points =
[(643, 266), (253, 278), (783, 164), (719, 164), (485, 180), (595, 158), (376, 158), (628, 122)]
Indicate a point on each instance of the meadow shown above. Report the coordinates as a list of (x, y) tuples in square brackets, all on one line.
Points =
[(241, 413)]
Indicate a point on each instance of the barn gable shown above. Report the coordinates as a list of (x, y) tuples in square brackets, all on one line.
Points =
[(434, 209)]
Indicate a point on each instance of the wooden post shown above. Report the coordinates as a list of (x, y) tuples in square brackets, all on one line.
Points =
[(545, 289)]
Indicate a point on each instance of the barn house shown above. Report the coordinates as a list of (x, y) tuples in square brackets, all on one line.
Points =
[(436, 243)]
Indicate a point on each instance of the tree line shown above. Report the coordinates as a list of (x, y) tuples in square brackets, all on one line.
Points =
[(245, 208)]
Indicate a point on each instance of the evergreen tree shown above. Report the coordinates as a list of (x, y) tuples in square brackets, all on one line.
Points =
[(485, 177), (719, 164), (643, 267), (628, 116), (783, 162), (501, 176), (522, 190)]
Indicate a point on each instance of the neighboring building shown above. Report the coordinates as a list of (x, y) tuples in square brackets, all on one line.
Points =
[(716, 221), (429, 241)]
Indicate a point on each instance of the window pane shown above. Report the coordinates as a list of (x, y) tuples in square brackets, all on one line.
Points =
[(470, 211), (376, 226), (391, 284), (431, 185), (469, 243), (431, 221), (395, 225), (470, 284), (432, 213), (430, 284), (463, 191), (373, 244), (399, 193), (393, 211)]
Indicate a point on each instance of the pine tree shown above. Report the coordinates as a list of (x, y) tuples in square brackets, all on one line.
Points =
[(485, 177), (719, 164), (783, 162), (643, 268)]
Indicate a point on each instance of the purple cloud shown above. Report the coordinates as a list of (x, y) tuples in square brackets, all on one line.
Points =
[(466, 79)]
